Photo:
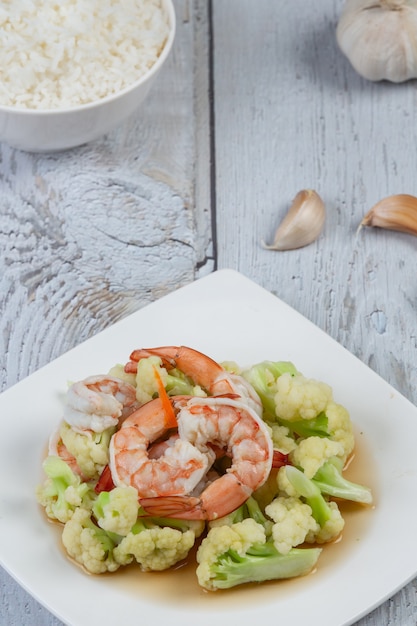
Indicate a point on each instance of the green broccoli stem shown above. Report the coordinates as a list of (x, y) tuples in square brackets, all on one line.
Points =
[(107, 539), (260, 563), (62, 477), (250, 508), (101, 502), (59, 486), (146, 522), (329, 480), (178, 384), (315, 427), (262, 377), (56, 468), (254, 511), (311, 494)]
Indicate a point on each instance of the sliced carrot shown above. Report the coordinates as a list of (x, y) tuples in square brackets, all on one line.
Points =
[(166, 402)]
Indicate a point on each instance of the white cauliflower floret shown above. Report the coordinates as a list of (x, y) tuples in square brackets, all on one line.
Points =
[(150, 373), (325, 512), (300, 398), (73, 497), (232, 367), (155, 549), (281, 438), (331, 529), (284, 485), (62, 491), (91, 450), (118, 371), (293, 522), (245, 553), (88, 544), (239, 537), (147, 378), (311, 453), (117, 510), (61, 506), (341, 428)]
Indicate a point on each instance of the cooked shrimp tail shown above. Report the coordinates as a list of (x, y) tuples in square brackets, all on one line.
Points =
[(105, 482), (206, 373), (220, 498), (169, 506), (279, 459), (202, 369)]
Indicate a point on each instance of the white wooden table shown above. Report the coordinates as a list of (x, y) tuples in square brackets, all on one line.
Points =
[(255, 104)]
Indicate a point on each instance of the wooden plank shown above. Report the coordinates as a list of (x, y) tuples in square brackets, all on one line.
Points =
[(290, 114), (93, 234), (90, 235)]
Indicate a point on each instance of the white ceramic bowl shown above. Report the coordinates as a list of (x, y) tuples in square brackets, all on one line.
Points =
[(59, 129)]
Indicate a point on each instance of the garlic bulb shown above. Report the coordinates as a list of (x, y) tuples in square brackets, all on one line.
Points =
[(302, 224), (397, 212), (379, 38)]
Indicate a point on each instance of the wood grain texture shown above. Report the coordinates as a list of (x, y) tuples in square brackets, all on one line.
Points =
[(90, 235), (291, 113)]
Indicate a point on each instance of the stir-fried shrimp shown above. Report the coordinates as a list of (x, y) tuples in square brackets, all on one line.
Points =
[(245, 390), (202, 369), (175, 470), (228, 423), (159, 448), (98, 402)]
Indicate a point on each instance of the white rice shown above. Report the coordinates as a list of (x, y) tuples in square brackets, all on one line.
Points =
[(56, 54)]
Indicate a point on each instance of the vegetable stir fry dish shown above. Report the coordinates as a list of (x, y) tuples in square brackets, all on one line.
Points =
[(173, 450)]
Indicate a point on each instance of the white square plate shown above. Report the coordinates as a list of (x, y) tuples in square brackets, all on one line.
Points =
[(230, 318)]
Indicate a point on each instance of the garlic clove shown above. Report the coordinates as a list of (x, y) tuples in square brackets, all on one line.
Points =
[(302, 224), (398, 212)]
